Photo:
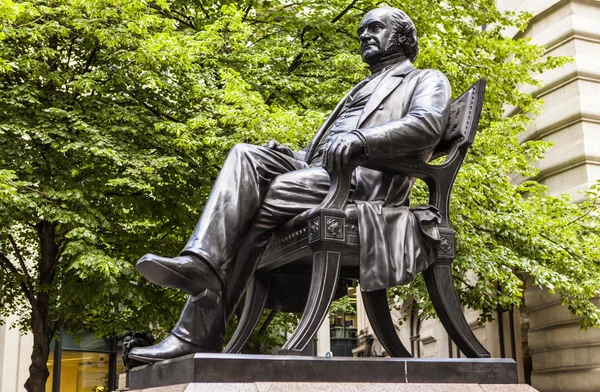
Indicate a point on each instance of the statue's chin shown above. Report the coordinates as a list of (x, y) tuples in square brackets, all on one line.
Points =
[(371, 60)]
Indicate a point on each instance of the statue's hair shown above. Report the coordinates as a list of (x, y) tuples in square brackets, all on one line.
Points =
[(405, 33)]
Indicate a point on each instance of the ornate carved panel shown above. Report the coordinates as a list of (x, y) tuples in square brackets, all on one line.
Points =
[(314, 229)]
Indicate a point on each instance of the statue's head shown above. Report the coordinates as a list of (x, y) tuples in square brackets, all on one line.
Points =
[(385, 31)]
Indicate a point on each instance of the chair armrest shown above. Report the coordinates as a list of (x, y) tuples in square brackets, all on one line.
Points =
[(341, 181), (439, 179), (339, 185)]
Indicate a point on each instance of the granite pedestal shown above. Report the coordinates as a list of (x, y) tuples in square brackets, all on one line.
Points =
[(239, 372)]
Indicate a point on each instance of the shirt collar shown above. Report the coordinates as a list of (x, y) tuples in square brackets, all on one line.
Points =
[(387, 62)]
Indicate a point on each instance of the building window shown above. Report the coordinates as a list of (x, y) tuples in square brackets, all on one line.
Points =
[(86, 365), (342, 329), (415, 335)]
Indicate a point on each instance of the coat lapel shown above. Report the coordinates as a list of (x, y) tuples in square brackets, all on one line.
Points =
[(388, 84), (317, 138)]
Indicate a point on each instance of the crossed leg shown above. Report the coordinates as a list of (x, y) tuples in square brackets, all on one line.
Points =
[(256, 191)]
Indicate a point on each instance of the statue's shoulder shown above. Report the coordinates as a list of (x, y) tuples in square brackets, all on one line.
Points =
[(431, 77), (429, 73)]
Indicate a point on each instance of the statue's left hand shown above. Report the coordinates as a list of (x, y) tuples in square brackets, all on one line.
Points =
[(338, 150)]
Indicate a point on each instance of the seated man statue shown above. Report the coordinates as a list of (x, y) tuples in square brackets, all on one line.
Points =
[(398, 111)]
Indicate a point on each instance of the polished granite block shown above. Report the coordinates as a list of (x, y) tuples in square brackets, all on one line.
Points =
[(339, 387), (240, 368)]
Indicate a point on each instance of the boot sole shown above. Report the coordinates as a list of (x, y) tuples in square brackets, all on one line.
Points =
[(143, 359), (163, 276)]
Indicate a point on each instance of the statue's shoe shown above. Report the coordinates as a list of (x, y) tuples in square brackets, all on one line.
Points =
[(187, 273), (171, 347)]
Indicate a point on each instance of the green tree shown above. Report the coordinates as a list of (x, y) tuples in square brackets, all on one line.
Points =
[(115, 116)]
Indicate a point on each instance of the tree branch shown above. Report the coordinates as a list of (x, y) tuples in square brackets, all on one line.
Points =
[(62, 245), (187, 21), (268, 320), (156, 112), (90, 60), (190, 22), (573, 255), (54, 329), (247, 10), (19, 257), (592, 208), (30, 22), (5, 262), (470, 286), (203, 10), (297, 100), (41, 193), (167, 233), (264, 37), (344, 11), (70, 51), (298, 59)]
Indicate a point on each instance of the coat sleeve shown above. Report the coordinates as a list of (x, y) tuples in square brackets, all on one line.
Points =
[(420, 129)]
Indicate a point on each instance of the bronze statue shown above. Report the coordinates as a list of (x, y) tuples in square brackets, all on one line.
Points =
[(398, 111)]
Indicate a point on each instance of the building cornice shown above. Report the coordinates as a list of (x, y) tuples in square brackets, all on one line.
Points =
[(551, 9)]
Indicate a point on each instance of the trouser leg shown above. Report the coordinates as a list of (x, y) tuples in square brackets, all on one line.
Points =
[(288, 195), (234, 200)]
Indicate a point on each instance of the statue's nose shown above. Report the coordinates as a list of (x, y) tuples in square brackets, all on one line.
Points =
[(364, 36)]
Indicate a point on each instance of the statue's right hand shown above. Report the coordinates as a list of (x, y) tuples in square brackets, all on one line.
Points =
[(276, 146)]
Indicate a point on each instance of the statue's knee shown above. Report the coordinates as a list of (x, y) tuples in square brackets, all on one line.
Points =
[(243, 149), (241, 152)]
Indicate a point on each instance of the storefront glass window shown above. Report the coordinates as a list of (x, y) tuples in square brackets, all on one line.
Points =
[(85, 364), (50, 367), (84, 372)]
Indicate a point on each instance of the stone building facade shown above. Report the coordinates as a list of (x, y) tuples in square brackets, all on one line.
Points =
[(15, 357)]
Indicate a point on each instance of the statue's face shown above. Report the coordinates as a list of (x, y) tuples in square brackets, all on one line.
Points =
[(375, 32)]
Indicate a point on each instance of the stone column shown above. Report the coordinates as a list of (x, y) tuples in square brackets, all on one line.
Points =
[(565, 357)]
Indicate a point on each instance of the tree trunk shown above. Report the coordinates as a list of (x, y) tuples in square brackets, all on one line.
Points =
[(42, 332), (38, 370)]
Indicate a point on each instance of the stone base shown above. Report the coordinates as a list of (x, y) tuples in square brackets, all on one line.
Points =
[(252, 371), (123, 384), (339, 387)]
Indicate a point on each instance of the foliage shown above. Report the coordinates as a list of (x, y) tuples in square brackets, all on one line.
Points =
[(274, 326), (344, 305), (116, 115), (273, 331)]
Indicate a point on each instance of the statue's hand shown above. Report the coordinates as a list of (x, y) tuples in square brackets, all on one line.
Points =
[(276, 146), (338, 150)]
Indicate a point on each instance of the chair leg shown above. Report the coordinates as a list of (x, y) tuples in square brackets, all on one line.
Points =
[(326, 271), (378, 312), (256, 299), (440, 286)]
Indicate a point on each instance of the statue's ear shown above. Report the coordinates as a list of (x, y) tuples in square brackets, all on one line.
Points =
[(402, 37)]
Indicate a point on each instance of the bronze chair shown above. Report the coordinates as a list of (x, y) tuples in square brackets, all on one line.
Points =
[(325, 240)]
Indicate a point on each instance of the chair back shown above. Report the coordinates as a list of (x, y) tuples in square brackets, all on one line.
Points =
[(458, 137), (462, 121)]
